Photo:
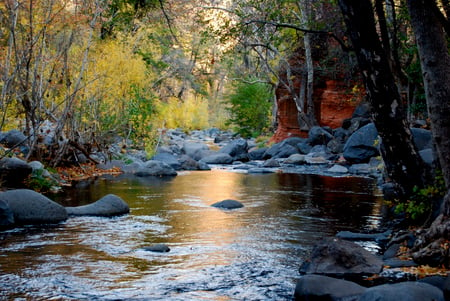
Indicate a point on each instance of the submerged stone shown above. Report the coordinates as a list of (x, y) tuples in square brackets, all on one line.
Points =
[(228, 204), (157, 248)]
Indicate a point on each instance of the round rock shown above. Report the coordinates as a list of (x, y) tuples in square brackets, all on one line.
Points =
[(109, 205), (228, 204), (158, 248), (30, 207)]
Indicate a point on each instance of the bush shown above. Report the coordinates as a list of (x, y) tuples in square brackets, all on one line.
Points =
[(250, 107)]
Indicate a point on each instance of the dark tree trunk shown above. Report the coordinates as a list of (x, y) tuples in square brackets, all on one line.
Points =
[(435, 63), (403, 164)]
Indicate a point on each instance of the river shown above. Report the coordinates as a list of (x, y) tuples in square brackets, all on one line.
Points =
[(252, 253)]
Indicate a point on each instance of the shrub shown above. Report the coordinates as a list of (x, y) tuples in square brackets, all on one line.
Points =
[(250, 106)]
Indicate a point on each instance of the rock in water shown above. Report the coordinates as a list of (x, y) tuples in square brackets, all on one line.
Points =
[(228, 204), (30, 207), (109, 205), (158, 248)]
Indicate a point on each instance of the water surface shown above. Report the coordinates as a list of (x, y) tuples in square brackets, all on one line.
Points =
[(252, 253)]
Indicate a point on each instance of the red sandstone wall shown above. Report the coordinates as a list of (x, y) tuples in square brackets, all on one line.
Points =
[(334, 103)]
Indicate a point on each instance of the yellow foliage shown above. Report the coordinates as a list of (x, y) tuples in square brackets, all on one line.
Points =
[(189, 114)]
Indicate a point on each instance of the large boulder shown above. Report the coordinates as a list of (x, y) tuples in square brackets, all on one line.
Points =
[(411, 291), (282, 149), (155, 168), (169, 159), (107, 206), (317, 287), (319, 136), (194, 150), (217, 158), (6, 215), (13, 138), (14, 171), (337, 257), (30, 207), (257, 154), (237, 149), (422, 138), (362, 145)]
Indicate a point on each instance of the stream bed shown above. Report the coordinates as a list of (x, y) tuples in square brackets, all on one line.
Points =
[(252, 253)]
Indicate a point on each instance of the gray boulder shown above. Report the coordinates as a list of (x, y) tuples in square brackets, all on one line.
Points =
[(335, 146), (217, 158), (6, 215), (317, 287), (155, 168), (427, 156), (280, 150), (169, 159), (361, 145), (319, 136), (14, 171), (295, 159), (411, 291), (228, 204), (13, 138), (157, 248), (257, 154), (336, 257), (271, 163), (422, 138), (237, 149), (338, 169), (107, 206), (194, 149), (30, 207)]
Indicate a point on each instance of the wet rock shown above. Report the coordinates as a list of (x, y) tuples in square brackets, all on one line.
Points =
[(6, 215), (335, 146), (155, 168), (257, 154), (30, 207), (108, 206), (317, 287), (194, 150), (361, 145), (360, 169), (280, 150), (228, 204), (217, 158), (187, 163), (422, 138), (237, 149), (260, 170), (13, 172), (411, 291), (333, 256), (378, 237), (427, 156), (319, 136), (271, 163), (168, 159), (157, 248), (296, 159), (338, 169)]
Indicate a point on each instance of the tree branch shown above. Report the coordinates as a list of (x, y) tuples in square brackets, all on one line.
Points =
[(295, 27)]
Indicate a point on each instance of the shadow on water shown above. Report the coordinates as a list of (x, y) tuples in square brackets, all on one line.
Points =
[(252, 253)]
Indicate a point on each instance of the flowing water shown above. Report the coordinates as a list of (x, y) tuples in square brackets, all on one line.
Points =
[(252, 253)]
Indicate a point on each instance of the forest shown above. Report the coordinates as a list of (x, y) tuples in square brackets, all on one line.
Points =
[(91, 71)]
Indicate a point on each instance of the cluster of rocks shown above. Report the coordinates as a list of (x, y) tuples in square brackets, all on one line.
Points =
[(339, 269), (27, 207)]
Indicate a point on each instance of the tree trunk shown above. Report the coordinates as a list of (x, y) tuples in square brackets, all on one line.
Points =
[(403, 164), (435, 63)]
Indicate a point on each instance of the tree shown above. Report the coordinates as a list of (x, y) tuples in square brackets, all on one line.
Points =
[(403, 163), (429, 24)]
